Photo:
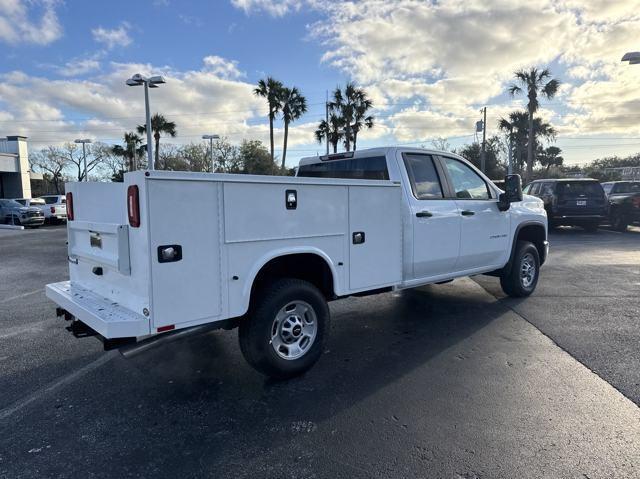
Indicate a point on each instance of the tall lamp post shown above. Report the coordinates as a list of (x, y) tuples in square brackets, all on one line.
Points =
[(150, 82), (211, 138), (84, 155)]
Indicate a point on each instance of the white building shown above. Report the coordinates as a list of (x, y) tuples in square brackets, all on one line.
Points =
[(15, 180)]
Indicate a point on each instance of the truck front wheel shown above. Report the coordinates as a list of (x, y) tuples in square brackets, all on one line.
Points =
[(522, 278), (284, 332)]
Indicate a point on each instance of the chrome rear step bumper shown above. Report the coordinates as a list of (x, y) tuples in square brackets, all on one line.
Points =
[(108, 319)]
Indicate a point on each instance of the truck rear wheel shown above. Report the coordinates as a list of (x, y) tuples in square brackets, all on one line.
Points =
[(284, 332), (522, 278)]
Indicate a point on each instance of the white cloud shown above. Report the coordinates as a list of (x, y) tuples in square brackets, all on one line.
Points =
[(222, 67), (276, 8), (199, 101), (29, 21), (78, 66), (116, 37)]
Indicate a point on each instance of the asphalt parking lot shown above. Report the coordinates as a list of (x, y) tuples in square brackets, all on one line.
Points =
[(451, 381)]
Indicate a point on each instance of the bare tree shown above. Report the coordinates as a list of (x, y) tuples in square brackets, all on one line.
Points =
[(49, 161)]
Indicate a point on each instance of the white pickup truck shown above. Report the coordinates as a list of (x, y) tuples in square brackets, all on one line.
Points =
[(183, 252)]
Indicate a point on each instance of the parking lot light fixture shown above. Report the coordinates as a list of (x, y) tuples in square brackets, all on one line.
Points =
[(151, 82), (211, 138), (84, 154)]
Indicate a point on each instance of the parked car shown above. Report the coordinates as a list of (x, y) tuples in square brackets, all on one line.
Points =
[(55, 208), (37, 202), (12, 212), (266, 253), (623, 202), (571, 202)]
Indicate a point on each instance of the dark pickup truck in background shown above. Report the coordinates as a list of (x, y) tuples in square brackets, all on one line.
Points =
[(623, 201)]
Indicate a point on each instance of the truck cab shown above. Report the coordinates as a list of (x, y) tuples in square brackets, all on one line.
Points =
[(453, 222)]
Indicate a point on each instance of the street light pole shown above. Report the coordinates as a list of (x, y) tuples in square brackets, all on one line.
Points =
[(484, 140), (84, 155), (211, 138), (151, 82), (148, 123)]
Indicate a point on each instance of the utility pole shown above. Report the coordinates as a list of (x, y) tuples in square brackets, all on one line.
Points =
[(510, 165), (484, 140), (326, 119)]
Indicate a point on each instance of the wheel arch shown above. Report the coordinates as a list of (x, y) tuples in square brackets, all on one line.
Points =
[(309, 264), (534, 232)]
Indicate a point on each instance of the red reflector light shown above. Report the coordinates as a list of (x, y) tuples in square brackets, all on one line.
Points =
[(133, 206), (636, 201), (53, 210), (69, 207), (162, 329)]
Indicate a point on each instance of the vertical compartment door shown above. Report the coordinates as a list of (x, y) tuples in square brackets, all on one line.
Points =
[(375, 237), (184, 215)]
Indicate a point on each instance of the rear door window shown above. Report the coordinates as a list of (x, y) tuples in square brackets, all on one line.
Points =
[(366, 168), (425, 182)]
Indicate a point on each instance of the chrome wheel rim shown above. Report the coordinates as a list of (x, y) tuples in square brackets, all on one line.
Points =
[(294, 330), (528, 270)]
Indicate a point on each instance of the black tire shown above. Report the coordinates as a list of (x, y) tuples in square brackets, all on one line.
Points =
[(619, 222), (513, 282), (591, 227), (257, 329), (16, 221)]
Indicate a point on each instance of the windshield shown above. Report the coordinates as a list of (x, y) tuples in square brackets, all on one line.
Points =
[(631, 187), (10, 204), (580, 188)]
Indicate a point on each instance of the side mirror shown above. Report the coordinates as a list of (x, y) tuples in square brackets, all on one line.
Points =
[(513, 188)]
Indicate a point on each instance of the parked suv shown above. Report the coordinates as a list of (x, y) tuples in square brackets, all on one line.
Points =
[(623, 201), (55, 209), (571, 202), (12, 212)]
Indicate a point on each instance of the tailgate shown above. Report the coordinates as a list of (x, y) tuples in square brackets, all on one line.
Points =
[(107, 256)]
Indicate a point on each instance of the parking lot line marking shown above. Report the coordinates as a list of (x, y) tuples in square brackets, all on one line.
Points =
[(52, 387), (23, 295)]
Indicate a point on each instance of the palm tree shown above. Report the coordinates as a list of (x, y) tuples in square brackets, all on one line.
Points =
[(131, 150), (334, 131), (270, 89), (535, 82), (517, 127), (294, 105), (360, 118), (159, 125), (352, 107)]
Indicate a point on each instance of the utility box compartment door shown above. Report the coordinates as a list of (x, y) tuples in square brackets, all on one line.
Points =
[(375, 237), (185, 215)]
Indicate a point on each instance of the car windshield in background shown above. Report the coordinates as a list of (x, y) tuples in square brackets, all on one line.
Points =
[(50, 199), (627, 188), (580, 188), (10, 204), (371, 168)]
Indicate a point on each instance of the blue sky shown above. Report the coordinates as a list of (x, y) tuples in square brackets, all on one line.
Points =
[(429, 67)]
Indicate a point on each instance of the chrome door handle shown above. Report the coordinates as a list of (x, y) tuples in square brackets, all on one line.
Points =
[(467, 213), (424, 214)]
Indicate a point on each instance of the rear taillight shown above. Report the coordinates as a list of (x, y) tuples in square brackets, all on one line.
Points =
[(69, 206), (133, 206), (636, 202), (53, 210)]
